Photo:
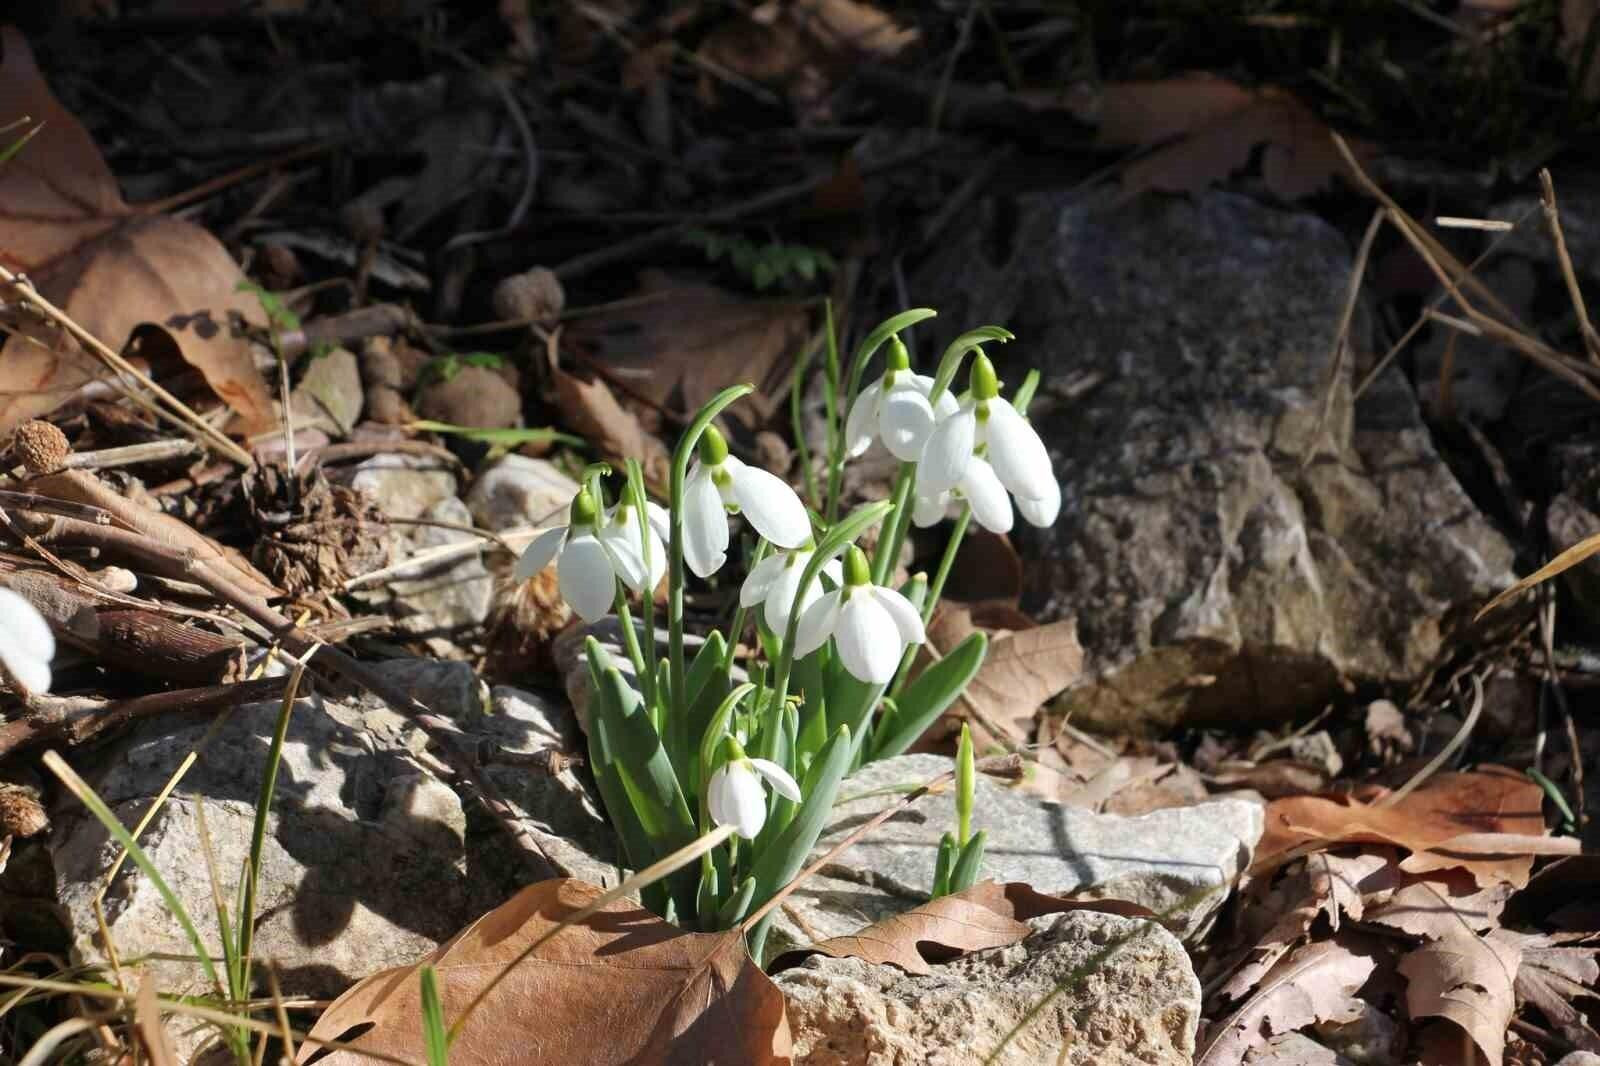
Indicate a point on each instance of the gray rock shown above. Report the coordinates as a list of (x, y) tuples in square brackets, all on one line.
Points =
[(404, 486), (369, 861), (1127, 995), (1178, 861), (1214, 581), (1579, 1058), (444, 602), (1484, 374), (519, 491), (329, 396)]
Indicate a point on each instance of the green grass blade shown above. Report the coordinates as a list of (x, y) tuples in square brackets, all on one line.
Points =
[(926, 698), (435, 1037)]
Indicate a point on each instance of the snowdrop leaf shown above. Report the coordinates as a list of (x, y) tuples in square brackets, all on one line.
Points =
[(925, 699), (957, 349), (965, 872)]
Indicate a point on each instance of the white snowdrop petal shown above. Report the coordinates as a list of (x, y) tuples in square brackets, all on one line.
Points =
[(778, 778), (721, 798), (982, 489), (1043, 511), (949, 450), (622, 553), (929, 509), (587, 581), (816, 624), (758, 583), (780, 599), (26, 643), (771, 506), (1019, 456), (906, 619), (862, 421), (537, 555), (833, 570), (749, 801), (905, 420), (947, 405), (868, 641), (705, 525)]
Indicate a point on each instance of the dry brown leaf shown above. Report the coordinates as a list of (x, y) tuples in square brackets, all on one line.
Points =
[(1466, 980), (590, 409), (64, 223), (1558, 970), (684, 342), (1445, 902), (1214, 126), (1315, 983), (987, 915), (620, 986), (1476, 821), (851, 28), (1023, 670), (1331, 886), (804, 44)]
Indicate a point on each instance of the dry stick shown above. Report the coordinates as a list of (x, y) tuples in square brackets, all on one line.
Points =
[(1445, 752), (1552, 217), (1341, 336), (1003, 765), (156, 451), (1547, 627), (73, 721), (121, 366)]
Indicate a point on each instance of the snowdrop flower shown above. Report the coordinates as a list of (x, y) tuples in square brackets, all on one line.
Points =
[(980, 487), (591, 554), (871, 625), (26, 643), (1014, 451), (775, 580), (896, 408), (1043, 511), (736, 796), (718, 484), (620, 535)]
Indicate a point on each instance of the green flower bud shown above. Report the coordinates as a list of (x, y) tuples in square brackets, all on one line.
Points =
[(857, 571), (984, 384), (583, 511), (966, 785), (713, 449)]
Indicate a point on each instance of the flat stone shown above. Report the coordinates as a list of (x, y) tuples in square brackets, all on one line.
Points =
[(1177, 861), (1213, 580), (518, 491), (404, 486), (1121, 992), (444, 602), (329, 396)]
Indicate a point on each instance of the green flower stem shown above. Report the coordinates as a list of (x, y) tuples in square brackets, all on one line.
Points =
[(797, 382), (835, 426), (899, 516), (630, 642), (675, 579), (647, 597), (762, 548), (838, 538), (936, 587)]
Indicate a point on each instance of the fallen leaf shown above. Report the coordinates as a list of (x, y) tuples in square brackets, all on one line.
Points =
[(1199, 129), (64, 223), (1023, 671), (1330, 886), (621, 986), (987, 915), (590, 409), (683, 342), (851, 28), (1445, 902), (804, 45), (1476, 821), (1557, 970), (1315, 983), (1466, 980)]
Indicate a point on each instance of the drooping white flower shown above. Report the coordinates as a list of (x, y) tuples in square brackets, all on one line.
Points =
[(775, 580), (26, 643), (896, 408), (720, 483), (1043, 511), (736, 796), (591, 554), (979, 487), (871, 625), (985, 420)]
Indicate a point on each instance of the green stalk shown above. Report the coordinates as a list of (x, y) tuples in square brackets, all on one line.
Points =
[(630, 643), (936, 587), (762, 547), (835, 420), (899, 515), (797, 381), (957, 350), (680, 471), (647, 598)]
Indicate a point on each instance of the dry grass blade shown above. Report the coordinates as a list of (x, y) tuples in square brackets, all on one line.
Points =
[(1552, 217), (1563, 562), (147, 1020), (1341, 336)]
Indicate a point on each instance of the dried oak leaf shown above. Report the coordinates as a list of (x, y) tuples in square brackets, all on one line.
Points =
[(590, 409), (1315, 983), (1488, 821), (109, 266), (1024, 669), (1557, 970), (1199, 129), (987, 915), (679, 343), (620, 986), (1466, 980)]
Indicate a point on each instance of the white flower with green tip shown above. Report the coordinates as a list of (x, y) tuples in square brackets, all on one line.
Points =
[(870, 625), (591, 554), (896, 409), (985, 420), (775, 580), (736, 795), (719, 484)]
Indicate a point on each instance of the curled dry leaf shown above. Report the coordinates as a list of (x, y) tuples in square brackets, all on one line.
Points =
[(1559, 969), (107, 265), (678, 343), (987, 915), (1024, 669), (590, 408), (1466, 980), (621, 986), (1200, 129), (1489, 822), (1315, 983)]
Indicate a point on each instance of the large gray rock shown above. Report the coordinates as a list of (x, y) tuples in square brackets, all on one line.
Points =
[(520, 491), (1120, 992), (1179, 861), (1213, 580), (369, 860)]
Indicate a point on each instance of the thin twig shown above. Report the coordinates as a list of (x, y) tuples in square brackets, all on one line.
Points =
[(1552, 217)]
